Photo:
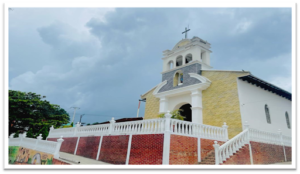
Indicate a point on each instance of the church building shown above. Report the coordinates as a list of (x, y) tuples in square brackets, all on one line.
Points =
[(212, 97)]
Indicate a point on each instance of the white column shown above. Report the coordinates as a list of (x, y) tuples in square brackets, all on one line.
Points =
[(75, 151), (57, 149), (217, 146), (76, 128), (99, 148), (39, 138), (281, 141), (196, 98), (199, 149), (225, 127), (128, 149), (167, 137), (111, 126), (246, 126), (163, 105)]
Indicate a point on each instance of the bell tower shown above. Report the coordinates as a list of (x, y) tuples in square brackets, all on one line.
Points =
[(187, 51), (182, 83)]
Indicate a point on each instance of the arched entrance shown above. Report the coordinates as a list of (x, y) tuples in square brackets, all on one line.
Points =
[(186, 112)]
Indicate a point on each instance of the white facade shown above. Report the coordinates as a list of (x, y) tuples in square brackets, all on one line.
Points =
[(252, 105), (174, 99)]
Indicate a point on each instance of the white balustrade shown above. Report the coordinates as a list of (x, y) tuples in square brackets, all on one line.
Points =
[(46, 146), (143, 127), (37, 144), (264, 137), (148, 126), (287, 141), (29, 143), (14, 141), (66, 132), (92, 130), (233, 145), (199, 130), (249, 134)]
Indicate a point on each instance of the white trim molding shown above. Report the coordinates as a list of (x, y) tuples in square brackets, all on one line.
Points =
[(159, 86), (202, 79)]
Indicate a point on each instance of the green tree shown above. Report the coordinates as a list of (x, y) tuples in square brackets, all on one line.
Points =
[(16, 134), (31, 111), (30, 134), (44, 131), (175, 114)]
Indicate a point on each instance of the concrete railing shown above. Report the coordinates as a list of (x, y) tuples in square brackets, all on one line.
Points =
[(148, 126), (136, 127), (223, 152), (264, 136), (230, 147), (199, 130), (37, 144)]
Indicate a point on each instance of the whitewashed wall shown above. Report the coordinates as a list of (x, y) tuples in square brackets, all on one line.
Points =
[(177, 101), (252, 106)]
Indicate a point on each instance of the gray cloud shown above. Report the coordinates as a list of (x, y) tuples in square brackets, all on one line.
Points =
[(105, 60)]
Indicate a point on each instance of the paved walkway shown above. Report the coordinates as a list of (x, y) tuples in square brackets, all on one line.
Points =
[(283, 163), (74, 159)]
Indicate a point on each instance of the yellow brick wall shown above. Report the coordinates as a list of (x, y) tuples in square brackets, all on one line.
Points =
[(221, 102), (152, 106)]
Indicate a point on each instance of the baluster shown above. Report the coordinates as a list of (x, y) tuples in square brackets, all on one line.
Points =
[(181, 128), (147, 126), (138, 127), (135, 128), (152, 126)]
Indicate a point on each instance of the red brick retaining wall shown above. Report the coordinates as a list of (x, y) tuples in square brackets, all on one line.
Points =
[(266, 153), (288, 152), (88, 146), (114, 149), (68, 145), (207, 146), (183, 150), (262, 153), (240, 157), (146, 149)]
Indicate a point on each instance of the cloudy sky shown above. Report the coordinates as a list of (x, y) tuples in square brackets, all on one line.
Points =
[(102, 59)]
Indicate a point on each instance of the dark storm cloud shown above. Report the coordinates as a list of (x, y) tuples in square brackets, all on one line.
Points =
[(104, 63)]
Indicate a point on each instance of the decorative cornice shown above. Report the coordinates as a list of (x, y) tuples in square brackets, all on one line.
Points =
[(183, 90), (159, 86), (188, 64), (202, 79)]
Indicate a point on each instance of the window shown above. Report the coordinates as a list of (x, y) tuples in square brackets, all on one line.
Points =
[(170, 64), (178, 78), (287, 120), (188, 58), (179, 61), (267, 114)]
